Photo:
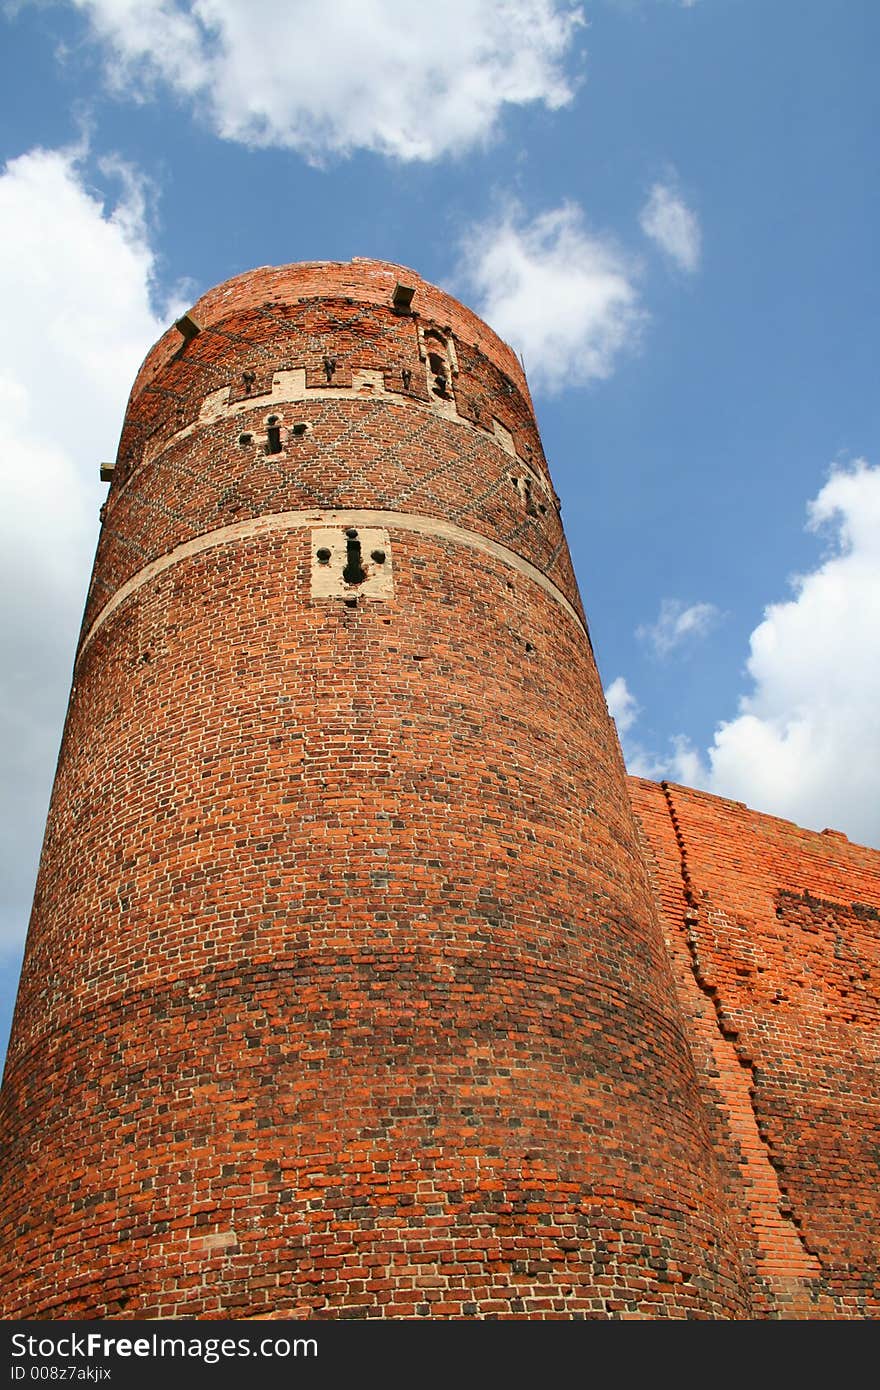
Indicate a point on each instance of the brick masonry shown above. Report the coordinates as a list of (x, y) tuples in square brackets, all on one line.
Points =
[(354, 987), (774, 935)]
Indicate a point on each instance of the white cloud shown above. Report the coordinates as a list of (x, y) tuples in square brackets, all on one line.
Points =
[(622, 705), (636, 5), (409, 80), (678, 623), (562, 296), (668, 221), (806, 743), (681, 764), (76, 322)]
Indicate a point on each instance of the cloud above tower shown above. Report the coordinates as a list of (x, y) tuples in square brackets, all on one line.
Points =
[(561, 295), (402, 80)]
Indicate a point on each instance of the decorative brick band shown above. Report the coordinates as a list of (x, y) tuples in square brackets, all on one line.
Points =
[(302, 520), (291, 387)]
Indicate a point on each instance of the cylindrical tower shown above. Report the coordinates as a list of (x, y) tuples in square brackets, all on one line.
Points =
[(344, 993)]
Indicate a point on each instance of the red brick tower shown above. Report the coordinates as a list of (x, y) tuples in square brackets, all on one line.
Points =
[(344, 993)]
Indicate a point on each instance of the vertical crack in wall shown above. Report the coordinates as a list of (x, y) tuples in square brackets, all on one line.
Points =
[(783, 1256)]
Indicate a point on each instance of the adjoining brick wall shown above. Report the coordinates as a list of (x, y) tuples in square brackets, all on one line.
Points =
[(345, 992), (774, 932)]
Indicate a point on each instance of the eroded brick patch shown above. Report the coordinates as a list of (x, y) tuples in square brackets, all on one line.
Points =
[(773, 931)]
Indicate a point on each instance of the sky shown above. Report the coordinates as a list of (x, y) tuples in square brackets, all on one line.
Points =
[(670, 208)]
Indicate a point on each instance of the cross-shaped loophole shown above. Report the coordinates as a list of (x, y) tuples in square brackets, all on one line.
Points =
[(354, 572)]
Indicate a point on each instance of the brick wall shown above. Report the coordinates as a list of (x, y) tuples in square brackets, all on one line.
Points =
[(774, 933)]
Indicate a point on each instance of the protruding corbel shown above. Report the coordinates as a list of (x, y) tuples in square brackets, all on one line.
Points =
[(402, 298), (188, 328), (107, 472)]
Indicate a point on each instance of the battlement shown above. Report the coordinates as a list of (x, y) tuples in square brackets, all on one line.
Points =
[(360, 282)]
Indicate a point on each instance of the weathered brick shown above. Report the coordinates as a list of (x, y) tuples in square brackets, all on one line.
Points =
[(346, 989)]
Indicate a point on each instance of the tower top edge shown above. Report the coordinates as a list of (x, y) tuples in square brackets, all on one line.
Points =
[(362, 279)]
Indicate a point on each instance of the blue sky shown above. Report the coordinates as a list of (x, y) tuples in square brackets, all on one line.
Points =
[(669, 208)]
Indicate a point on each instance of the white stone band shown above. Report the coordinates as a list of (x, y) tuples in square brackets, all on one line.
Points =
[(312, 517)]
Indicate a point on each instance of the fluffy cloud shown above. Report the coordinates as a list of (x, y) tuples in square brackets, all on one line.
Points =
[(678, 623), (669, 222), (682, 763), (806, 741), (411, 81), (622, 705), (562, 296), (74, 283)]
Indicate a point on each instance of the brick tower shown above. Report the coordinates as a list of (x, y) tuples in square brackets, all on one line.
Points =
[(345, 994)]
